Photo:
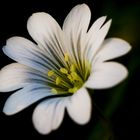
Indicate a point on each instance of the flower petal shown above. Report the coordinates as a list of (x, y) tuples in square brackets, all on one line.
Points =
[(27, 53), (96, 26), (79, 106), (77, 20), (75, 27), (12, 77), (42, 27), (112, 48), (48, 115), (25, 97), (95, 44), (15, 76), (106, 75), (47, 33)]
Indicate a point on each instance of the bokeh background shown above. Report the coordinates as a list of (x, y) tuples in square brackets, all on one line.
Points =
[(119, 107)]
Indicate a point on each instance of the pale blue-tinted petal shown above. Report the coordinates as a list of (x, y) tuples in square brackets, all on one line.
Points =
[(25, 97), (106, 75), (49, 114), (27, 53), (15, 76), (12, 77), (79, 106)]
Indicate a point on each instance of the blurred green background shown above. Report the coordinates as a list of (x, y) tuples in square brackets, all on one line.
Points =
[(115, 114)]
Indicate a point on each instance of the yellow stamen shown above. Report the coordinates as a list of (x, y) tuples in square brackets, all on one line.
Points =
[(58, 80), (77, 79), (66, 57), (70, 77), (54, 91), (74, 75), (72, 68), (50, 73), (64, 70), (72, 90)]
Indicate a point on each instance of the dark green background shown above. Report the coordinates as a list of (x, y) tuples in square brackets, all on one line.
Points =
[(121, 104)]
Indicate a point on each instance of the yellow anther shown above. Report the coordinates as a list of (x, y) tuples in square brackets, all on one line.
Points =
[(54, 91), (58, 80), (72, 90), (50, 73), (63, 70), (77, 79), (66, 57), (75, 75), (72, 68), (70, 77)]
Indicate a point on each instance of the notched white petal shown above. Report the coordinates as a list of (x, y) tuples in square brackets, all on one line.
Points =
[(75, 27), (43, 27), (15, 45), (95, 45), (24, 98), (93, 31), (77, 20), (106, 75), (48, 35), (25, 52), (48, 115), (113, 48), (20, 40), (12, 77), (79, 106)]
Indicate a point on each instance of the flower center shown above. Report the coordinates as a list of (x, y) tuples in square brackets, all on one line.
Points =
[(70, 78)]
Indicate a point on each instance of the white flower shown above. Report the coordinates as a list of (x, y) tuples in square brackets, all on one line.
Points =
[(63, 62)]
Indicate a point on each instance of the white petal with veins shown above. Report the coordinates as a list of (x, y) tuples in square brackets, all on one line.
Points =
[(24, 98), (47, 33), (96, 44), (112, 48), (25, 52), (49, 114), (75, 27), (106, 75), (79, 106), (77, 20), (12, 77)]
